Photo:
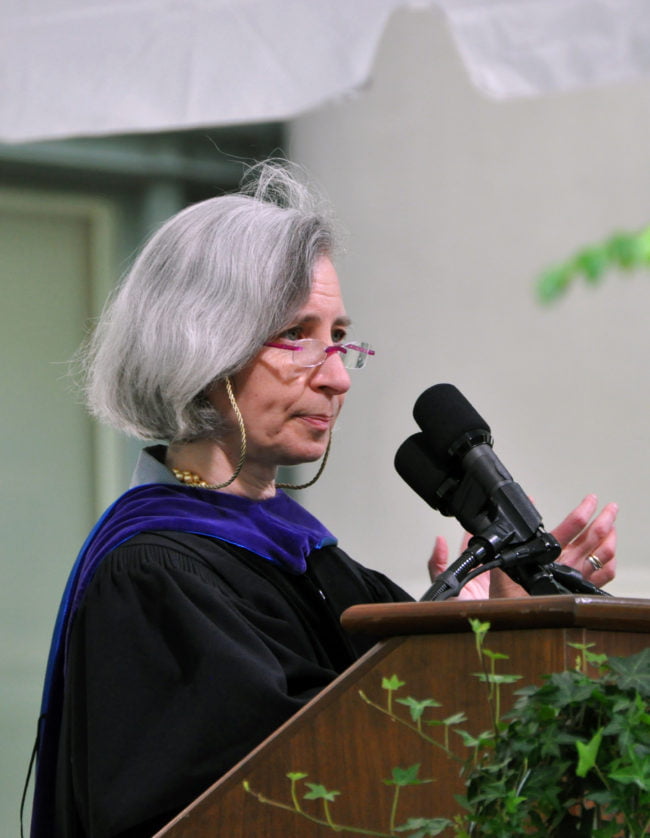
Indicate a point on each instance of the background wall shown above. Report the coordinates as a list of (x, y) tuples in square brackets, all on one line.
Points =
[(453, 204), (55, 250)]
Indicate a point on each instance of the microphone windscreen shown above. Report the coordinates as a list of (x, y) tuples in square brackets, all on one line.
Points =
[(445, 415), (414, 465)]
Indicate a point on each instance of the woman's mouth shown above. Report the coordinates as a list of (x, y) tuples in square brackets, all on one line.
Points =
[(317, 420)]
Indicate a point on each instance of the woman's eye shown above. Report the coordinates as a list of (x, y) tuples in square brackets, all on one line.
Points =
[(295, 333), (339, 335)]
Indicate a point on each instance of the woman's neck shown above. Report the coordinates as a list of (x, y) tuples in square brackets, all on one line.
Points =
[(215, 464)]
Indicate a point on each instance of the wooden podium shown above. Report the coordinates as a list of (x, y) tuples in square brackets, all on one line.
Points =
[(344, 740)]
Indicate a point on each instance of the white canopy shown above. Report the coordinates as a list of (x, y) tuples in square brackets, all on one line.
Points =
[(88, 67)]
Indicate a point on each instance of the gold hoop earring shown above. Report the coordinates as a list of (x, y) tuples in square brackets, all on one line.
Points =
[(318, 473), (192, 479)]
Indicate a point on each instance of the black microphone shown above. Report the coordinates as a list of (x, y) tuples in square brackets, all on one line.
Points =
[(437, 487), (459, 442), (450, 424), (510, 529), (452, 466)]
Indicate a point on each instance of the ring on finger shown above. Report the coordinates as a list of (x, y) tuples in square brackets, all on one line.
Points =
[(594, 561)]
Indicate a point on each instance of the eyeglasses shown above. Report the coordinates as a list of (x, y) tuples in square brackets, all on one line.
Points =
[(311, 352)]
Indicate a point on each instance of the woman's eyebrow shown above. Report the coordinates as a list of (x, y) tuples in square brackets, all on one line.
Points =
[(308, 319)]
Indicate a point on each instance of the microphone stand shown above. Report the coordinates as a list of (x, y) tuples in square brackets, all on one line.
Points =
[(509, 534), (527, 564)]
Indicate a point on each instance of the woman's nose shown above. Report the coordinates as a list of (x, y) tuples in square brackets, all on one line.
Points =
[(332, 375)]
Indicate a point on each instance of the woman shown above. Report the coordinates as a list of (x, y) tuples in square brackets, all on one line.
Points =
[(204, 608)]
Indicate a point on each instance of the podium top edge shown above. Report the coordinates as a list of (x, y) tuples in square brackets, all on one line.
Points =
[(393, 619)]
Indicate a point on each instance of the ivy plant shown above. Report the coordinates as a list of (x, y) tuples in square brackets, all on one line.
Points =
[(572, 758)]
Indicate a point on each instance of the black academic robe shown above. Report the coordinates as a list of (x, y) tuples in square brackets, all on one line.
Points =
[(185, 653)]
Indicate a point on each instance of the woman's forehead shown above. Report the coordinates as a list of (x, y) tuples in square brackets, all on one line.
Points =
[(325, 298)]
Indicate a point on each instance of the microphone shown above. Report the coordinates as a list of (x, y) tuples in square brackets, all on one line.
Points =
[(452, 466), (459, 443), (450, 424), (460, 474), (437, 487)]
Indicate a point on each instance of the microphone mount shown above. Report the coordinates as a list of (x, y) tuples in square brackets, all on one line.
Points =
[(531, 565)]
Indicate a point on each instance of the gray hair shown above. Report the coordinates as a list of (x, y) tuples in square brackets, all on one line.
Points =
[(213, 284)]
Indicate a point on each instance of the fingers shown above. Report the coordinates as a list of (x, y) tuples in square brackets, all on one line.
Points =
[(601, 548), (576, 520), (501, 585), (606, 554), (439, 557), (596, 539), (593, 535)]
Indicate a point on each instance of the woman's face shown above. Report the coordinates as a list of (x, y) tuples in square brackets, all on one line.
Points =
[(289, 411)]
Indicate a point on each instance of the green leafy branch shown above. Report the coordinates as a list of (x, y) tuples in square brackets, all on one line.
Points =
[(416, 708), (399, 779), (416, 720), (622, 251), (490, 676)]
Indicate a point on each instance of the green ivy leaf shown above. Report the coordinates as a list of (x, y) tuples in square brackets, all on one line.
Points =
[(611, 829), (496, 678), (456, 719), (481, 741), (633, 673), (587, 753), (424, 827), (319, 792), (553, 282), (469, 741), (597, 660), (294, 776), (480, 629), (623, 250), (592, 262), (512, 801), (569, 687), (631, 775), (643, 246), (417, 708), (406, 776), (495, 656), (393, 683)]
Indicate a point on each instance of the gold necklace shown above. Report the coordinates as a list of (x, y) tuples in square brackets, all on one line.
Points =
[(191, 478)]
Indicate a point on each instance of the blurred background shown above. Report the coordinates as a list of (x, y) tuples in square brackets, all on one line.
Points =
[(454, 191)]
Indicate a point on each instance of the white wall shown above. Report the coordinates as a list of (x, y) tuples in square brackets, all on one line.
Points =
[(453, 203), (58, 469)]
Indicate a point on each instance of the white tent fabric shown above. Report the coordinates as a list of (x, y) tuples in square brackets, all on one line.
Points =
[(89, 67), (517, 48)]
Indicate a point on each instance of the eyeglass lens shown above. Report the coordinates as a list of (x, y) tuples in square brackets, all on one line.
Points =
[(310, 352)]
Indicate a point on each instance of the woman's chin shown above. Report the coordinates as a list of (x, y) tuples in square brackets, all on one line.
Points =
[(308, 454)]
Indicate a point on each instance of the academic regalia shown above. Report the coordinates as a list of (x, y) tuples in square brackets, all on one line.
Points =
[(196, 622)]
